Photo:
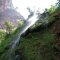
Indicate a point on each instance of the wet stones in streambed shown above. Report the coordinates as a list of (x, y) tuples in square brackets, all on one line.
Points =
[(17, 57)]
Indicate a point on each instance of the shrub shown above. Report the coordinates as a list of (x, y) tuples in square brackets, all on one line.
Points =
[(9, 27)]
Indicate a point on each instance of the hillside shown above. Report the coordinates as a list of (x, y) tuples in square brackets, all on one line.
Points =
[(41, 41), (41, 44)]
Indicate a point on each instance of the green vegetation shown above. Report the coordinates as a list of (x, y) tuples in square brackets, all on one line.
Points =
[(4, 40), (39, 43), (6, 36), (9, 27), (37, 46)]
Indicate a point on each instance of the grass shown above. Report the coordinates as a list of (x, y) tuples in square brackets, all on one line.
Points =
[(37, 46), (4, 40)]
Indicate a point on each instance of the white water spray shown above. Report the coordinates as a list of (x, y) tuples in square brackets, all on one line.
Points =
[(27, 24)]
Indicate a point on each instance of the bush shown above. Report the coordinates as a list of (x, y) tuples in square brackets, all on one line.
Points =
[(9, 27)]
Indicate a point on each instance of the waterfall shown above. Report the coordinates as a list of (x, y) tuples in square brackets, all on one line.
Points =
[(16, 40)]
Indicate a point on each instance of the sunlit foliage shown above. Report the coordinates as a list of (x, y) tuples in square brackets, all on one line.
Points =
[(9, 26)]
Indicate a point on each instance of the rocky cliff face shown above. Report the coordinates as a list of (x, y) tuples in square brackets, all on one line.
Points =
[(8, 13), (5, 4)]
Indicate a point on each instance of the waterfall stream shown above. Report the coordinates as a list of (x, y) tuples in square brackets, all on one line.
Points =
[(14, 44), (10, 53)]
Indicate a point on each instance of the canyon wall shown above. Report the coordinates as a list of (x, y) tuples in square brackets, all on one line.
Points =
[(8, 13)]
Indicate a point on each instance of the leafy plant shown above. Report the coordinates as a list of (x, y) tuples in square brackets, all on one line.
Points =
[(52, 9), (9, 27)]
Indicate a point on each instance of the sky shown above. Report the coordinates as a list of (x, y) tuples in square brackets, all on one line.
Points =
[(21, 5)]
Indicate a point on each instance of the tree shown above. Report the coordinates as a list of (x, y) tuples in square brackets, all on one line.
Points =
[(52, 9), (9, 27)]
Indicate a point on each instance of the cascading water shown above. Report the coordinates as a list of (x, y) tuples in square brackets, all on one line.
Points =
[(27, 24), (15, 41)]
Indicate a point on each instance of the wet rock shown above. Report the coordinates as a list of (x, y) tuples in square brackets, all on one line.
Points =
[(17, 57)]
